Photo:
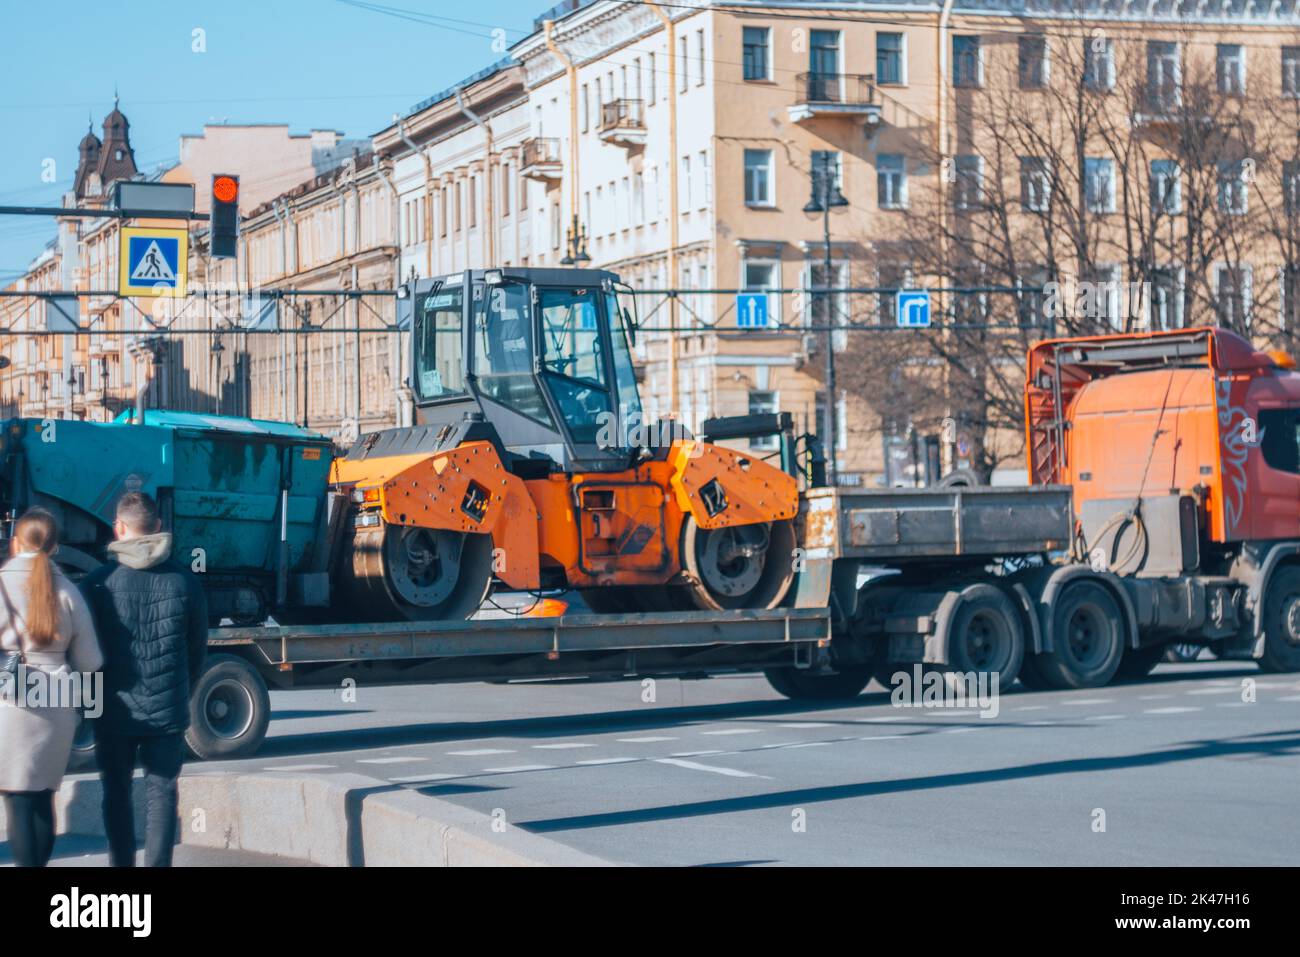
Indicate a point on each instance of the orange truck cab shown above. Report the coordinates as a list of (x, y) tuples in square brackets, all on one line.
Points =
[(1183, 452)]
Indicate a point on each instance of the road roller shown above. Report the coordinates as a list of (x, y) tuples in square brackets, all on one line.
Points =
[(531, 465)]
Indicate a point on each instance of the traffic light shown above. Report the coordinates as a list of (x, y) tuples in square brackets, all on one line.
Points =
[(225, 215)]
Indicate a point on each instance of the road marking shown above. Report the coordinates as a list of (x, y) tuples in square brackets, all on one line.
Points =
[(302, 767), (1031, 707), (479, 752), (607, 761), (1103, 717), (417, 778), (1168, 710), (962, 730), (563, 747), (692, 754), (389, 760), (514, 769), (1041, 724), (734, 731), (647, 740), (1153, 697), (1231, 690), (882, 737), (696, 766), (1234, 704), (819, 724), (1083, 701), (1290, 697), (809, 744), (891, 717)]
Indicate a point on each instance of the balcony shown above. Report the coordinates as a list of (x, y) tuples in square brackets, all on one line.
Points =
[(850, 95), (622, 122), (103, 347), (541, 159)]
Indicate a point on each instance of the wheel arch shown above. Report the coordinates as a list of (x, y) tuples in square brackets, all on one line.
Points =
[(1056, 583)]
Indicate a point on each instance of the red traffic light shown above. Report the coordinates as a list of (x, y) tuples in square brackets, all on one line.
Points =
[(225, 188)]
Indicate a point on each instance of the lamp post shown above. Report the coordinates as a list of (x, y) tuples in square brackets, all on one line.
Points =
[(576, 251), (826, 196)]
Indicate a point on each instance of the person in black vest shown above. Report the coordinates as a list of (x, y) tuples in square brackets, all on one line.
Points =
[(152, 620)]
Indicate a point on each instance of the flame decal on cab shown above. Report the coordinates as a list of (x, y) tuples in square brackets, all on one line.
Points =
[(1233, 451)]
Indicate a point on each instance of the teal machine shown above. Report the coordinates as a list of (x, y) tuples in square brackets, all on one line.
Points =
[(247, 500)]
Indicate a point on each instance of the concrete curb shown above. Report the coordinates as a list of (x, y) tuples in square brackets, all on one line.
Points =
[(333, 820)]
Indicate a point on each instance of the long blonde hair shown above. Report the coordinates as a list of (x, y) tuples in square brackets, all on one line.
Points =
[(38, 531)]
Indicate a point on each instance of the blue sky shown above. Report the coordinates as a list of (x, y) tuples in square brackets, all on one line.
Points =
[(340, 64)]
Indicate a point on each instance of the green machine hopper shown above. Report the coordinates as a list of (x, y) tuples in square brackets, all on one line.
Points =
[(245, 499)]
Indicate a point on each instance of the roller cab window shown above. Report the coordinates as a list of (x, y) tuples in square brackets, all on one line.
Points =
[(439, 367), (573, 359)]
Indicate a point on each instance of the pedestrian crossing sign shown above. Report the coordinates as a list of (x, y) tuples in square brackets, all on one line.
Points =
[(152, 261)]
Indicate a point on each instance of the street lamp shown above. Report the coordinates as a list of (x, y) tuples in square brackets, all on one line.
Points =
[(576, 251), (826, 196)]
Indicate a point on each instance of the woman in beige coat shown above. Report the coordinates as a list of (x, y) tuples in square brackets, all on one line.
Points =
[(44, 615)]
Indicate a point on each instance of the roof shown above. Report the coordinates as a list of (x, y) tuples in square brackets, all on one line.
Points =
[(168, 418), (502, 64)]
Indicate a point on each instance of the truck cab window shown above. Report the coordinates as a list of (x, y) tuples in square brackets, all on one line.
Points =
[(439, 361), (573, 357), (1280, 439), (503, 351)]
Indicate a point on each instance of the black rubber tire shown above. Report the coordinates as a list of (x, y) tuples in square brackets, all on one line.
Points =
[(774, 580), (1137, 663), (231, 684), (1282, 621), (1031, 674), (365, 593), (1087, 637), (986, 635), (802, 686), (82, 757)]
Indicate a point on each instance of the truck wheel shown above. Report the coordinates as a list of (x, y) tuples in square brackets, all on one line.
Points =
[(229, 710), (985, 635), (740, 566), (1087, 637), (1282, 621), (1137, 663), (802, 686), (1031, 674)]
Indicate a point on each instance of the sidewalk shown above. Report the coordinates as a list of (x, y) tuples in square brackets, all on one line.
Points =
[(83, 850)]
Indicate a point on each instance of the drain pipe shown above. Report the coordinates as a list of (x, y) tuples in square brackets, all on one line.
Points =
[(548, 27), (489, 223), (670, 29), (402, 409), (428, 194)]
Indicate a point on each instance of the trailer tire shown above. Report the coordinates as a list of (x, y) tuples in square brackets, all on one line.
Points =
[(1282, 621), (1087, 637), (1137, 663), (985, 635), (1031, 674), (230, 710), (799, 685)]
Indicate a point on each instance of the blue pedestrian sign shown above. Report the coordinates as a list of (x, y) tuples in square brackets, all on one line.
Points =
[(912, 308), (152, 261), (751, 310)]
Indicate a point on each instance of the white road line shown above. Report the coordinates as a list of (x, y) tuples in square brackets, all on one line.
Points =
[(608, 761), (389, 760), (1234, 704), (1168, 710), (734, 731), (515, 768), (1153, 697), (692, 754), (563, 747), (1087, 701), (479, 752), (302, 767), (1290, 697), (882, 737), (1041, 724), (817, 724), (1031, 707), (962, 730), (891, 717), (1233, 690), (648, 740), (696, 766), (809, 744), (417, 778), (1103, 717)]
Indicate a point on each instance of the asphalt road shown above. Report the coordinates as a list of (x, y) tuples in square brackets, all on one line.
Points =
[(1177, 769)]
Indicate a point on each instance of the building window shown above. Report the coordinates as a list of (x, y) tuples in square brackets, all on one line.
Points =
[(1290, 304), (968, 182), (555, 225), (1164, 76), (824, 66), (684, 185), (705, 193), (1291, 71), (1031, 58), (651, 79), (967, 62), (758, 178), (891, 181), (1098, 63), (1291, 187), (1230, 68), (683, 65), (1099, 185), (1166, 189), (586, 108), (757, 53), (764, 403), (1035, 184), (1232, 296), (889, 59), (699, 56), (1233, 187)]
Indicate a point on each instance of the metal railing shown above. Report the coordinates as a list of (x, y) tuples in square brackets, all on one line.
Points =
[(622, 115), (843, 89), (541, 151)]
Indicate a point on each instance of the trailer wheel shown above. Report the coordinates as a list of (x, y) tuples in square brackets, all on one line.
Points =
[(1282, 621), (1031, 674), (1087, 637), (802, 686), (985, 635), (229, 710), (1137, 663)]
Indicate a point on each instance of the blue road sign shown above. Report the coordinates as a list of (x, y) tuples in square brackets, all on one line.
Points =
[(152, 260), (751, 310), (912, 308)]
